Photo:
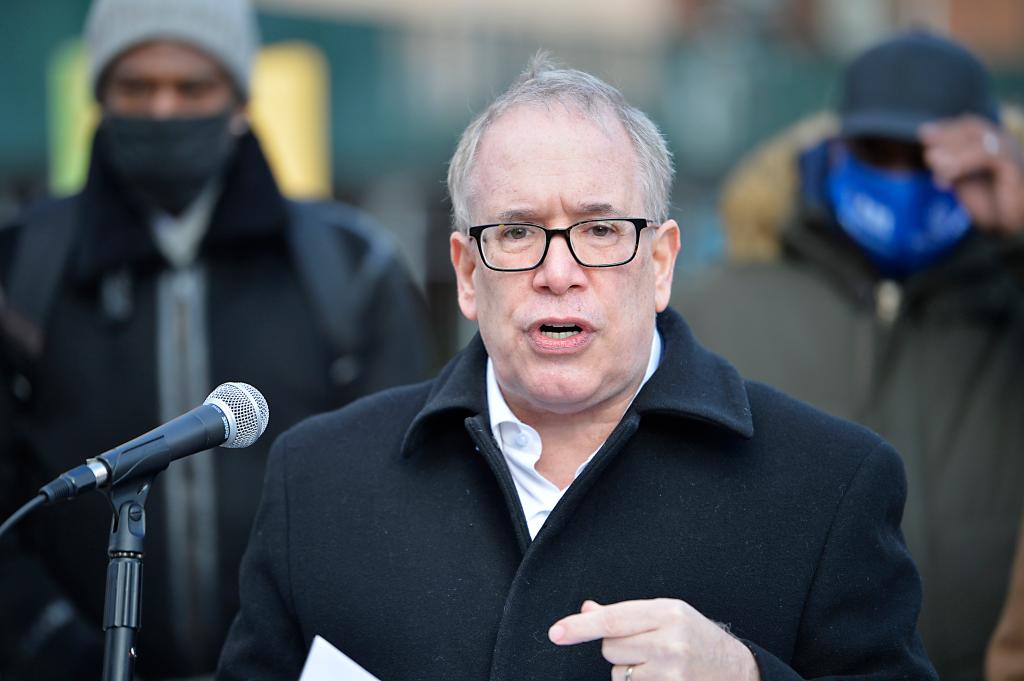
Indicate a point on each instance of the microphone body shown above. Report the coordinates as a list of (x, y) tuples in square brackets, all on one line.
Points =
[(234, 415)]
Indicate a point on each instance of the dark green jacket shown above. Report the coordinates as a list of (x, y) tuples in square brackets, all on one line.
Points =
[(935, 364)]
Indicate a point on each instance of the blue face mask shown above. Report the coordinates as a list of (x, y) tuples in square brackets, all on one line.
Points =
[(901, 219)]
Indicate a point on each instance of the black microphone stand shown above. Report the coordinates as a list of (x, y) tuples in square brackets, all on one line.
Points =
[(122, 609), (126, 473)]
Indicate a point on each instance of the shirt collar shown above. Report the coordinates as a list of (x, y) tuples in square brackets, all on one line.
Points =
[(691, 383)]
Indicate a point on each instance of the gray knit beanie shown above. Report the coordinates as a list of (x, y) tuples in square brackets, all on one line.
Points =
[(224, 29)]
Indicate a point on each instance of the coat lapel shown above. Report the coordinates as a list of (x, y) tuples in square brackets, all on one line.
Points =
[(691, 383)]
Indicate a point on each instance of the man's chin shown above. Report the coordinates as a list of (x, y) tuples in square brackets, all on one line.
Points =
[(565, 399)]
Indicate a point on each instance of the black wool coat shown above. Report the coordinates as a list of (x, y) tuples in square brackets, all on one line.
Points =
[(392, 528)]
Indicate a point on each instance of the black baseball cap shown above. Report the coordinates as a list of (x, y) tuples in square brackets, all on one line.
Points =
[(913, 78)]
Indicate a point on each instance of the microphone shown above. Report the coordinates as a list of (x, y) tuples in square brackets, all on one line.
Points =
[(234, 415)]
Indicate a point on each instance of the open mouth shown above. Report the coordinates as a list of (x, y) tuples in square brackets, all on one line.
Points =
[(559, 331)]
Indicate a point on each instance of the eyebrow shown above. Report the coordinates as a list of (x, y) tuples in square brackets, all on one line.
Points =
[(132, 72), (598, 209), (521, 215), (587, 210)]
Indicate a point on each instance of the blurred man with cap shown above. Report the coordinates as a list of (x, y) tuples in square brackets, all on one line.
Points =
[(895, 299), (179, 266)]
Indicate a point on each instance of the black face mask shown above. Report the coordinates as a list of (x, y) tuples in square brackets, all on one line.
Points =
[(167, 162)]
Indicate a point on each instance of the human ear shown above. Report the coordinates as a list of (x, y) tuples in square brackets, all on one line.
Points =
[(464, 263), (664, 250)]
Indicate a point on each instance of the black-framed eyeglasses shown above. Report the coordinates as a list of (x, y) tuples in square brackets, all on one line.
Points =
[(521, 246)]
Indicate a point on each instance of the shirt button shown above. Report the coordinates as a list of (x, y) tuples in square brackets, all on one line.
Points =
[(521, 440)]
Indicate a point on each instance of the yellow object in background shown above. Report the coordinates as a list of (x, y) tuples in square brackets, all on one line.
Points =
[(73, 115), (289, 109), (290, 113)]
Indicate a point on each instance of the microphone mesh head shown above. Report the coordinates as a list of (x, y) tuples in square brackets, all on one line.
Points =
[(248, 408)]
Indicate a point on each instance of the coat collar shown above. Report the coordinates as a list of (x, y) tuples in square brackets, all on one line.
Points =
[(691, 383), (114, 231)]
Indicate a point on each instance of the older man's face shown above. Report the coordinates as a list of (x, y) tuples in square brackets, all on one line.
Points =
[(555, 167)]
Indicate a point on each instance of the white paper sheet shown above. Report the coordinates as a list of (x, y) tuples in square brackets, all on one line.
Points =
[(327, 663)]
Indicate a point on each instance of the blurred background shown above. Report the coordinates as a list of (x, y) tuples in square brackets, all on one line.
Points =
[(384, 88)]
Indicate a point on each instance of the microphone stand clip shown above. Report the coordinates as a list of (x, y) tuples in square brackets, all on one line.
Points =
[(122, 609)]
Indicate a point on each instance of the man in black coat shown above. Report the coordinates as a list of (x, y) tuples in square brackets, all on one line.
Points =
[(584, 491), (178, 267)]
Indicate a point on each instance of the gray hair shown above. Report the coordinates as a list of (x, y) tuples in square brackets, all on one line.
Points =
[(544, 83)]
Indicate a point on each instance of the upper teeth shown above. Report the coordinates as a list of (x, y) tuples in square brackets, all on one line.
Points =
[(569, 331)]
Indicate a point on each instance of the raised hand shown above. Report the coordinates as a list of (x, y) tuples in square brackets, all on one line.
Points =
[(983, 164)]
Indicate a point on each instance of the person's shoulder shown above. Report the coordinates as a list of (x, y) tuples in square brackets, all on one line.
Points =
[(824, 448), (783, 411), (379, 420), (825, 466), (808, 436), (352, 226), (46, 208), (41, 208)]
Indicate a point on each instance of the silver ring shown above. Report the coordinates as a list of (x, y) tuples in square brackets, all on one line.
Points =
[(629, 673), (990, 141)]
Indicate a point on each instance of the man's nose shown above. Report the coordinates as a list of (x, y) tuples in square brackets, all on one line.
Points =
[(559, 272), (165, 102)]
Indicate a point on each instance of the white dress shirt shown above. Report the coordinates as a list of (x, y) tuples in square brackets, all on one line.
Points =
[(521, 446)]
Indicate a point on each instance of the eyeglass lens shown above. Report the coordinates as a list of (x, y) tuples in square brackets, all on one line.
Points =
[(595, 243)]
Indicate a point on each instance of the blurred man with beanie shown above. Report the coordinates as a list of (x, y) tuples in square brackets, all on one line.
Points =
[(225, 30), (893, 295), (178, 267)]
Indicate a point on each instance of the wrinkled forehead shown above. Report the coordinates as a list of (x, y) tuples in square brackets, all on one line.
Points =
[(531, 150)]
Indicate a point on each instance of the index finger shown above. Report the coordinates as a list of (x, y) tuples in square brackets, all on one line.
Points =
[(626, 618), (956, 149), (955, 131)]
